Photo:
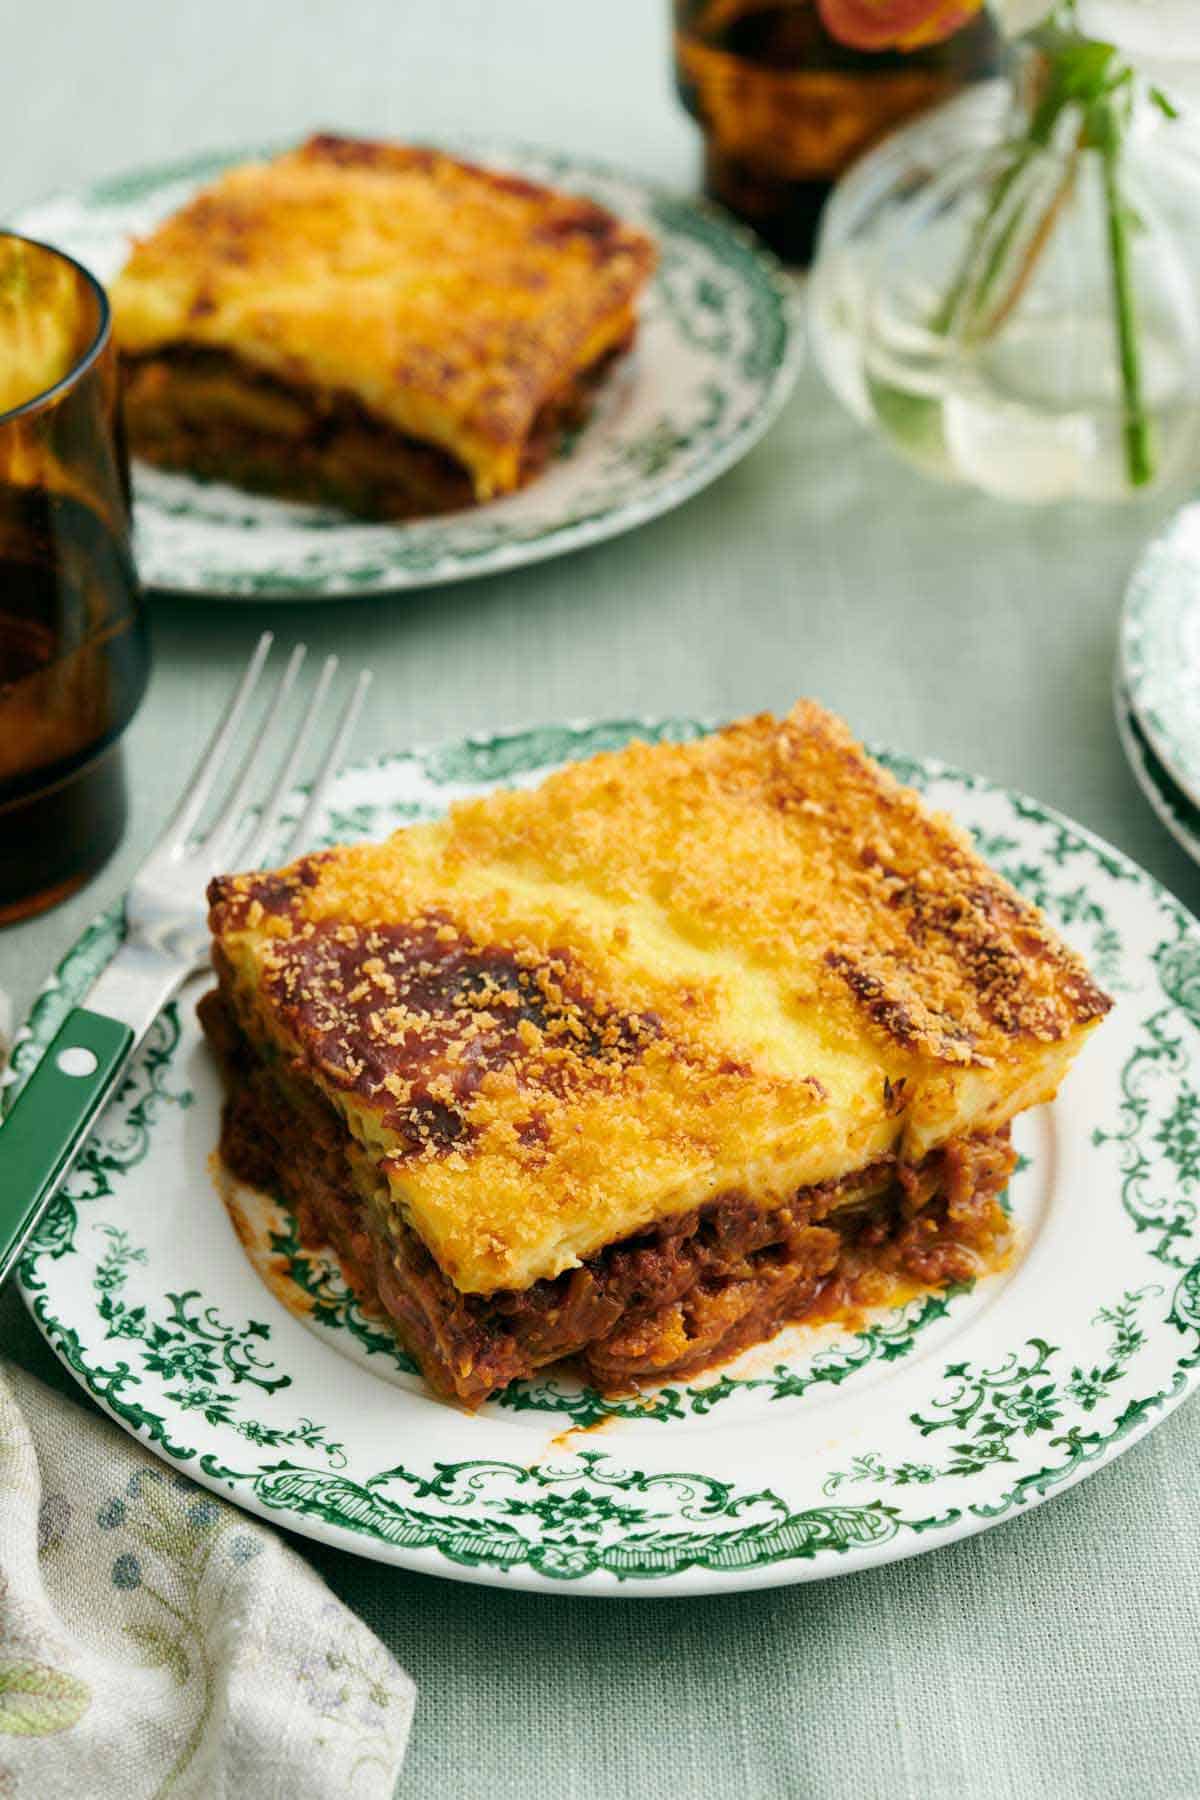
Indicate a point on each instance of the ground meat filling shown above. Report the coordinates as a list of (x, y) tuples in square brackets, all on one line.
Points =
[(666, 1302), (202, 410)]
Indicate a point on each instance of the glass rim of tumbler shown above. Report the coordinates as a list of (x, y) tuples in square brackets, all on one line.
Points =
[(88, 357)]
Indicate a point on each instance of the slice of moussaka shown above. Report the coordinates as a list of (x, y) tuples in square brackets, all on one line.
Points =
[(636, 1066), (378, 326)]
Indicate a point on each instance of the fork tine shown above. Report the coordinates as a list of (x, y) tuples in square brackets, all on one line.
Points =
[(250, 855), (300, 835), (228, 826), (192, 801)]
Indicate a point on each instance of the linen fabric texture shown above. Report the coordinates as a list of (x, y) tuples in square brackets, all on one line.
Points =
[(155, 1640)]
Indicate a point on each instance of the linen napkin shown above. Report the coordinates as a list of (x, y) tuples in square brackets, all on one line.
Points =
[(155, 1641)]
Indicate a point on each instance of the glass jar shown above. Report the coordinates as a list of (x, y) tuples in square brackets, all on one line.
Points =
[(73, 643), (964, 301), (785, 108)]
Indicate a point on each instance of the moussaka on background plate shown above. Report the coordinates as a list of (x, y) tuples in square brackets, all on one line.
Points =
[(1045, 1333), (374, 326), (504, 374)]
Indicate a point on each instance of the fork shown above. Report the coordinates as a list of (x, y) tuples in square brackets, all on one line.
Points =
[(165, 938)]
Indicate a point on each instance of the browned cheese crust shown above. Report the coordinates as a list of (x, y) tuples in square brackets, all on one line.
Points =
[(376, 324)]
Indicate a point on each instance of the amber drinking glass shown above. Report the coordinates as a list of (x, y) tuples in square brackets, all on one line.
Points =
[(73, 646), (785, 108)]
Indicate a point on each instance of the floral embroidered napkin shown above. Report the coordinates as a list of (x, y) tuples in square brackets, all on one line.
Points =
[(155, 1641)]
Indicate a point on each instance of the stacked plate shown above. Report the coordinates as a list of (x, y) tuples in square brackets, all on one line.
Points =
[(1157, 688)]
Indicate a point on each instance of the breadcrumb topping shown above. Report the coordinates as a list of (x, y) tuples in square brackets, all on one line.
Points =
[(450, 301), (422, 1024), (750, 963)]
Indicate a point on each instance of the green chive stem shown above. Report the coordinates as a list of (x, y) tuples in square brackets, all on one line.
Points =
[(1139, 453)]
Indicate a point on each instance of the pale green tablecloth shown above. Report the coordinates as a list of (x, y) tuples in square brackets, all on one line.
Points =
[(1054, 1656)]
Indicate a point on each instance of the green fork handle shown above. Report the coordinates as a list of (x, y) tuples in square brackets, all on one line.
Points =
[(50, 1117)]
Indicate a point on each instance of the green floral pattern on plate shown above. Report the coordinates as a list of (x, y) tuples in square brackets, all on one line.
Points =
[(716, 356), (206, 1359), (1024, 1397), (729, 1481)]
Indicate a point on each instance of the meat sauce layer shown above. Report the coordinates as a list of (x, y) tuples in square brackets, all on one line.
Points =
[(665, 1303), (206, 411)]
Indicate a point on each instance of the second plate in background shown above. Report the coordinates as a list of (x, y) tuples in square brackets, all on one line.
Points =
[(715, 359)]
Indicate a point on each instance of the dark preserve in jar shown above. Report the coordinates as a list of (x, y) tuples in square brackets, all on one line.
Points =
[(785, 108), (73, 646)]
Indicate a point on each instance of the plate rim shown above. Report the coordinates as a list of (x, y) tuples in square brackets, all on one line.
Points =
[(690, 1580), (1143, 585), (1162, 804), (600, 527)]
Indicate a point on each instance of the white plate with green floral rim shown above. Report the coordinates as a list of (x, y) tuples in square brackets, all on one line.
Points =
[(715, 359), (1160, 648), (1171, 805), (814, 1455)]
